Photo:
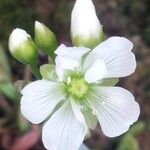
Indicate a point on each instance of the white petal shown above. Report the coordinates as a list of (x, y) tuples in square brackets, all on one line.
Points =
[(63, 131), (77, 111), (115, 108), (116, 53), (68, 58), (96, 72), (71, 52), (63, 64), (120, 43), (39, 99), (84, 147)]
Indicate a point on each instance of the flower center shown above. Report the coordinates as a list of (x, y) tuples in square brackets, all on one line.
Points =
[(77, 87)]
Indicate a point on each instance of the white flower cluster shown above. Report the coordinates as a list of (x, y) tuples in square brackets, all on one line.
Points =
[(79, 91)]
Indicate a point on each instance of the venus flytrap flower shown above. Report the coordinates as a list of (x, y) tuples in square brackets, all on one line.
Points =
[(45, 38), (86, 29), (81, 92)]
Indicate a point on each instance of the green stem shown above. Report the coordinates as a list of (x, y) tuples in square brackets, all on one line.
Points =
[(35, 71), (51, 59)]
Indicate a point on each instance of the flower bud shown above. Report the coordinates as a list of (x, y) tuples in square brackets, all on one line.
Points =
[(86, 29), (22, 47), (45, 38)]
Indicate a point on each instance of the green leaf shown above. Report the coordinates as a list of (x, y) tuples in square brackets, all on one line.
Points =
[(48, 72), (9, 90)]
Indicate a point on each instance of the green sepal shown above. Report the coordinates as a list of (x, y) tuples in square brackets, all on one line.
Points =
[(48, 72), (9, 90), (108, 82), (90, 41)]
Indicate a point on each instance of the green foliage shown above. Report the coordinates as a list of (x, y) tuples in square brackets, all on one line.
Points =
[(6, 87), (8, 93), (9, 90), (5, 73)]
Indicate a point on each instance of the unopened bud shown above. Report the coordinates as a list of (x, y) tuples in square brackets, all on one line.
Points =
[(22, 47), (86, 29), (45, 38)]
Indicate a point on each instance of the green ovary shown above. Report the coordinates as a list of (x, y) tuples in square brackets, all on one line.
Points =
[(77, 88)]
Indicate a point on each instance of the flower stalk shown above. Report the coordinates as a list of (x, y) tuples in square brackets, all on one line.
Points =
[(35, 70)]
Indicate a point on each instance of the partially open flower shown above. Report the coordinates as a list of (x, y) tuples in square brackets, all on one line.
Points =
[(22, 47), (86, 29), (81, 92), (45, 38)]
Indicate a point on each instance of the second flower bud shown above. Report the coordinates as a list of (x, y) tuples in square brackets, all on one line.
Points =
[(22, 47), (45, 39)]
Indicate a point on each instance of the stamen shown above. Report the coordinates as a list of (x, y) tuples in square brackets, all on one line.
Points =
[(77, 87), (94, 112), (68, 80)]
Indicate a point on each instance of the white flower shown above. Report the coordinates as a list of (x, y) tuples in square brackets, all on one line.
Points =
[(83, 87), (85, 26)]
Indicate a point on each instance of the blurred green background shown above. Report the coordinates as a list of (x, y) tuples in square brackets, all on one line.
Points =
[(129, 18)]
